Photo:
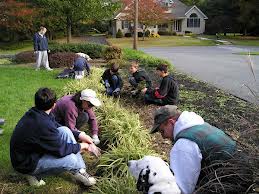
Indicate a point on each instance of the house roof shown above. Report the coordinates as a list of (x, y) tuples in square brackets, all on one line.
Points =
[(178, 10)]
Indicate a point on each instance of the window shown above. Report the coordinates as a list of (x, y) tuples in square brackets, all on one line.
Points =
[(163, 26), (176, 25), (169, 3), (193, 21), (125, 24)]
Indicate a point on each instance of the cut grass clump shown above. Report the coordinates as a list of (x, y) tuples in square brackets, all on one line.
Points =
[(126, 185), (121, 131)]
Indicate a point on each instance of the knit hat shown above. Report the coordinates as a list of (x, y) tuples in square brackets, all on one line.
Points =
[(162, 114)]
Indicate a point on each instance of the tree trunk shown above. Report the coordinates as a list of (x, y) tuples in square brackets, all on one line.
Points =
[(135, 45), (69, 27)]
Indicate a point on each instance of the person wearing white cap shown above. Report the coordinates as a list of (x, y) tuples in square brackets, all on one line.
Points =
[(76, 110)]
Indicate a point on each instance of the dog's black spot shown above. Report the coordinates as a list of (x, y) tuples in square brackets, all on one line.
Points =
[(147, 167), (142, 183), (154, 173), (157, 193)]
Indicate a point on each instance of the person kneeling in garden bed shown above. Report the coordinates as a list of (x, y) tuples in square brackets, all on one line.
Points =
[(40, 146), (137, 79), (196, 143), (81, 65), (167, 93), (112, 80), (76, 110)]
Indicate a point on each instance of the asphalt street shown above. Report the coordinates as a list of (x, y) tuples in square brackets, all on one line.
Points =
[(217, 65)]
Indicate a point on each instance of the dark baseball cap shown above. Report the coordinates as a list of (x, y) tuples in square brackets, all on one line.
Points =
[(162, 114)]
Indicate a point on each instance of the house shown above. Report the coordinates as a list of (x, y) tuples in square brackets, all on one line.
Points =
[(182, 19)]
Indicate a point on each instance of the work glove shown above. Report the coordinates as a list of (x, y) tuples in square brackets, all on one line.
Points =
[(117, 90), (107, 85)]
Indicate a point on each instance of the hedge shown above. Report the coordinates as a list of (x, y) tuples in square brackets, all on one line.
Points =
[(64, 59), (25, 57), (144, 59), (93, 50)]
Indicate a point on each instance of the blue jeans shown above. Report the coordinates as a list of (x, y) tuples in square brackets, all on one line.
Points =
[(115, 84), (50, 164)]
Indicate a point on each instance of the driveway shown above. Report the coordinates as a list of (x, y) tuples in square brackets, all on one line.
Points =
[(216, 65)]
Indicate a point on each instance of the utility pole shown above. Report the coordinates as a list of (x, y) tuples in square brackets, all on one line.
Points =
[(135, 43)]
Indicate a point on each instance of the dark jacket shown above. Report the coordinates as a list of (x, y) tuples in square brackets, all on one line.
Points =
[(81, 64), (108, 76), (40, 43), (142, 75), (168, 90), (213, 142), (36, 134)]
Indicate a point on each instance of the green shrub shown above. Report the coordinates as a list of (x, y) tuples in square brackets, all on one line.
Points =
[(112, 52), (93, 50), (147, 33), (167, 33), (144, 59), (140, 34), (119, 34), (25, 57), (128, 34), (120, 62), (64, 59)]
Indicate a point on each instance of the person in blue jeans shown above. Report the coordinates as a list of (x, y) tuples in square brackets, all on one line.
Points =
[(112, 81), (39, 146)]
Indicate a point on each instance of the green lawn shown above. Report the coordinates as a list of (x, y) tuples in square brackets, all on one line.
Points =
[(238, 39), (18, 85), (163, 41), (246, 53)]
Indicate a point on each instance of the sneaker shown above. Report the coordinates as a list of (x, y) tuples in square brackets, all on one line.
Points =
[(96, 139), (33, 181), (2, 121), (49, 69), (1, 131), (85, 178)]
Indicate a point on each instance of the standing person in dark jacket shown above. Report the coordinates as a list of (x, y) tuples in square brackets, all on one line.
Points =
[(168, 91), (41, 49), (40, 146), (76, 110), (112, 80), (138, 76)]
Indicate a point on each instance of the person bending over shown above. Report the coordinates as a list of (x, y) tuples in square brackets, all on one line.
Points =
[(76, 110)]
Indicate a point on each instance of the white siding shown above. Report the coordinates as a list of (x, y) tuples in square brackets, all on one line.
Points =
[(199, 30)]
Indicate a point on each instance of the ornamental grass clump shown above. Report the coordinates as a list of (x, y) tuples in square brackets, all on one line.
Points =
[(115, 185), (121, 134)]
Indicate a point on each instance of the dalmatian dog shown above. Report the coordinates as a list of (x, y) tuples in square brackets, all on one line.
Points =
[(153, 176)]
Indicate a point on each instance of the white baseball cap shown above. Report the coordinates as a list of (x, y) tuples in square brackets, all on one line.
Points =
[(90, 96), (84, 55)]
